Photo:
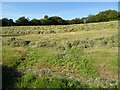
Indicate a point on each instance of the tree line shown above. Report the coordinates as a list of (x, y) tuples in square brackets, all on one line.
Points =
[(103, 16)]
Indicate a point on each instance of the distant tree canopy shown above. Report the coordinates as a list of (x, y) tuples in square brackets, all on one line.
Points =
[(35, 22), (7, 22), (22, 21), (55, 20), (103, 16)]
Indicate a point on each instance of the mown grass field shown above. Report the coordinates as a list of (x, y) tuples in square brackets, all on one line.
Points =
[(63, 56)]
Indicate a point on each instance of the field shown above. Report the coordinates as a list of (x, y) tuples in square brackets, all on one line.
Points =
[(62, 56)]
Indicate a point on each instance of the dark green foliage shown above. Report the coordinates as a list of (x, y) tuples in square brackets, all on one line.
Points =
[(46, 17), (35, 22), (103, 16), (22, 21), (7, 22), (75, 21), (108, 15), (55, 20), (45, 22)]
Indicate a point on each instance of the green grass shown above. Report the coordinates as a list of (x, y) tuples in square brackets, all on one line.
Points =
[(31, 81), (81, 56)]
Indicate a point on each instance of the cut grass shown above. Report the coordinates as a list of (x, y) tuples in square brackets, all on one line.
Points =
[(70, 35), (75, 56)]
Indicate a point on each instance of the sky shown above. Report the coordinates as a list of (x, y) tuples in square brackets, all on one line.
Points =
[(66, 10)]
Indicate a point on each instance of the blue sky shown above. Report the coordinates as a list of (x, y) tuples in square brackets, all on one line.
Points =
[(66, 10)]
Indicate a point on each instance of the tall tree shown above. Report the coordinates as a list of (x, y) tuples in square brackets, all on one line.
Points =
[(22, 21), (46, 17), (5, 22), (35, 22)]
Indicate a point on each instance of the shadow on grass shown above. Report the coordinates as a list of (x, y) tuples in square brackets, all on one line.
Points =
[(9, 76)]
